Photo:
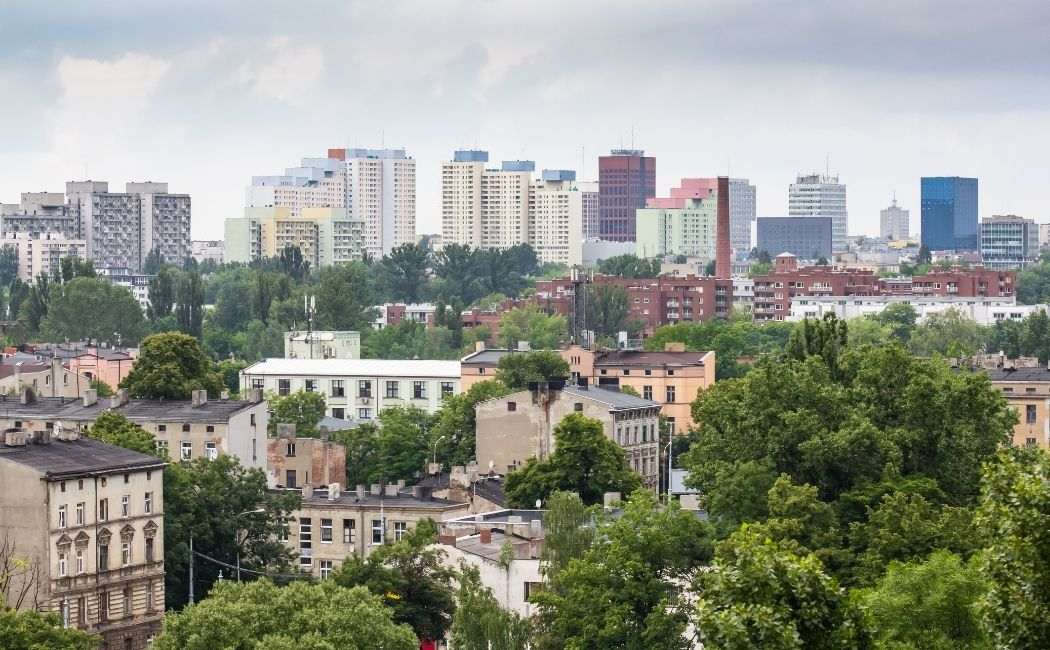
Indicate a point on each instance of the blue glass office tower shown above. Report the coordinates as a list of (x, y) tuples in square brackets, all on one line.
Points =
[(949, 213)]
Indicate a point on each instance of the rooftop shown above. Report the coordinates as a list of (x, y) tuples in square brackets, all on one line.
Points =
[(611, 398), (650, 358), (1038, 373), (65, 408), (61, 458), (488, 357), (404, 499), (356, 367)]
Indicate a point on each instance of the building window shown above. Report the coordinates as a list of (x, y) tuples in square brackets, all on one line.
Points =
[(62, 486), (186, 428), (326, 569), (210, 428), (400, 528), (290, 450), (512, 406), (364, 388), (289, 480), (310, 385), (257, 383), (103, 509), (149, 549), (186, 450), (377, 531), (62, 564), (284, 386), (419, 390), (150, 604), (80, 561), (103, 606), (305, 542), (61, 516), (364, 414), (392, 389), (349, 530), (162, 448), (1030, 443), (326, 530), (339, 413), (127, 479), (337, 388), (125, 506), (80, 514), (103, 553), (670, 373), (578, 407), (1029, 414), (82, 611), (647, 392), (626, 371), (446, 388), (162, 428), (648, 372), (670, 394), (211, 452), (127, 608), (125, 553), (532, 588)]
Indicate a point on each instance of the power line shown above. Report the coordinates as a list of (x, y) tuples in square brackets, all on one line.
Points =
[(233, 567)]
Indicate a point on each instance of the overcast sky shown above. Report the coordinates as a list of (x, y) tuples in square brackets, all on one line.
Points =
[(204, 94)]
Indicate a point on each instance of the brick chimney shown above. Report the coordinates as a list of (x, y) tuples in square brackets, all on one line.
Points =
[(723, 246), (486, 536)]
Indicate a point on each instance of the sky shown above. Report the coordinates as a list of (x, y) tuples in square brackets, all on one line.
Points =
[(204, 94)]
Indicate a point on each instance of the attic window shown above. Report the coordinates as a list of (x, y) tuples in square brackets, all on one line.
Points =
[(512, 406)]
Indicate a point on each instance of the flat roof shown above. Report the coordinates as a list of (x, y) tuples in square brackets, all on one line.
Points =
[(1038, 373), (68, 408), (650, 358), (613, 398), (356, 368), (402, 500), (78, 457)]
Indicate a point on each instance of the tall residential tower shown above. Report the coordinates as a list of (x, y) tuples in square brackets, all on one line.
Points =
[(894, 223), (821, 195)]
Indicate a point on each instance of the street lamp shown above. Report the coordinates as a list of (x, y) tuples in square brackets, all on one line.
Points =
[(435, 447), (669, 443), (239, 542)]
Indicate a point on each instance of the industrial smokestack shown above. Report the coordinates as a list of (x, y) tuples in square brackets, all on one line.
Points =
[(723, 247)]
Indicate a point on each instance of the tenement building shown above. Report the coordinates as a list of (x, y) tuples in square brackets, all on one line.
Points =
[(87, 519)]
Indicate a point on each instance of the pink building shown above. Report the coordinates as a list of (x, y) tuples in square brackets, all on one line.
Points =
[(110, 366), (690, 188)]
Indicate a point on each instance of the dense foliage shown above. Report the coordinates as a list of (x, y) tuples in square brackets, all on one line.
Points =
[(29, 630), (171, 366)]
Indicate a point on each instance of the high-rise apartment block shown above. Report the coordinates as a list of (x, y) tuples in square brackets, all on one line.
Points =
[(324, 236), (626, 178), (949, 213), (376, 187), (1009, 242), (681, 224), (120, 229), (42, 253), (497, 208), (742, 213), (821, 195), (894, 223)]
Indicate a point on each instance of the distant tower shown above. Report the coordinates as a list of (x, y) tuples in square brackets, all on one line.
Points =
[(723, 245)]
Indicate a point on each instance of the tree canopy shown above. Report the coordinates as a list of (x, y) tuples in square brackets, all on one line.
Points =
[(518, 369), (530, 324), (303, 409), (170, 366), (30, 630), (95, 309), (630, 266), (114, 428)]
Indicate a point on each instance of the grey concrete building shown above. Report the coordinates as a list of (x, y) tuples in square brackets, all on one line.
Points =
[(808, 238), (86, 519)]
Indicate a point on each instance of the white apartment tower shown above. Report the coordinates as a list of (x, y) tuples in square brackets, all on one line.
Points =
[(381, 192), (556, 213), (461, 198), (894, 223), (485, 208), (742, 213), (821, 195)]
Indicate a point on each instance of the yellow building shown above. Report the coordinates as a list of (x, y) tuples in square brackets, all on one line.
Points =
[(325, 236), (1027, 391)]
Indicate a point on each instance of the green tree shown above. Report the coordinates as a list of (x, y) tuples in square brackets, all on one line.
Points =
[(345, 298), (567, 532), (29, 630), (948, 333), (33, 308), (361, 444), (624, 591), (153, 263), (303, 409), (90, 308), (112, 427), (74, 267), (759, 594), (455, 268), (170, 365), (867, 331), (101, 388), (517, 370), (320, 616), (1014, 518), (542, 331), (293, 264), (629, 266), (8, 265), (403, 273), (230, 370), (410, 340), (412, 578), (455, 424), (900, 318), (1035, 339), (925, 256), (737, 337), (162, 293), (825, 338), (230, 514), (926, 604), (608, 310), (584, 461), (480, 623), (189, 303), (402, 444)]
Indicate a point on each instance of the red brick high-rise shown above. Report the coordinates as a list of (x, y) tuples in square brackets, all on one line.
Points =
[(723, 246), (626, 178)]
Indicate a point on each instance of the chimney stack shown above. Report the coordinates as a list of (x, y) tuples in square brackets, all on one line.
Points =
[(486, 536), (198, 398), (723, 246), (120, 398), (90, 397)]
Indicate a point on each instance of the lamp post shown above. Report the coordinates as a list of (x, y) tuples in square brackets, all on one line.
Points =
[(669, 443), (435, 448), (238, 542)]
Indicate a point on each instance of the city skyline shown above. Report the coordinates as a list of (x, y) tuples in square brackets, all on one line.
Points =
[(205, 97)]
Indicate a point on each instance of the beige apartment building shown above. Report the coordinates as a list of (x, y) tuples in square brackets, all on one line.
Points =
[(292, 462), (42, 253), (324, 235), (47, 379), (1027, 391), (520, 426), (184, 429), (672, 377), (332, 525), (88, 520)]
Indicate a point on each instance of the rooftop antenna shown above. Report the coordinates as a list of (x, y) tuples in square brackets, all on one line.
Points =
[(827, 165), (632, 136), (583, 163)]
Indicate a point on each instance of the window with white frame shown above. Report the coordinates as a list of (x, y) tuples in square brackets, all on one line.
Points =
[(400, 528), (147, 503), (211, 451), (62, 516), (63, 569), (80, 514), (377, 531), (125, 506), (326, 531), (326, 569), (186, 450), (349, 531)]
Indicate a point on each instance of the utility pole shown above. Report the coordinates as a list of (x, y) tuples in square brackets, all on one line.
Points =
[(191, 568)]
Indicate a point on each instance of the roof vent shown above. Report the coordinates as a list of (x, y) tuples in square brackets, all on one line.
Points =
[(198, 398), (90, 397), (15, 438)]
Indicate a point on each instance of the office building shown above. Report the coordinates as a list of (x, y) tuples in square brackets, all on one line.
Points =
[(742, 213), (809, 238), (949, 213), (324, 236), (820, 195), (591, 209), (626, 178), (358, 388), (42, 253), (87, 518), (1009, 242), (521, 425), (380, 190), (557, 208), (894, 223)]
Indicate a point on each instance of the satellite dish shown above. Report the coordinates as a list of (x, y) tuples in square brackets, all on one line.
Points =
[(538, 503), (492, 464)]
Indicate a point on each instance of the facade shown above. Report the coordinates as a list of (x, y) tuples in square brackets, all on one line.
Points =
[(805, 237), (322, 345), (209, 251), (325, 236), (556, 215), (949, 213), (461, 198), (332, 524), (381, 192), (626, 178), (687, 228), (135, 282), (975, 282), (316, 183), (519, 426), (46, 379), (394, 313), (292, 462), (505, 201), (88, 520), (184, 429), (358, 388), (42, 253), (742, 213), (819, 195), (894, 223), (479, 541), (1027, 391), (983, 311), (40, 213), (775, 291), (591, 208), (1009, 242)]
